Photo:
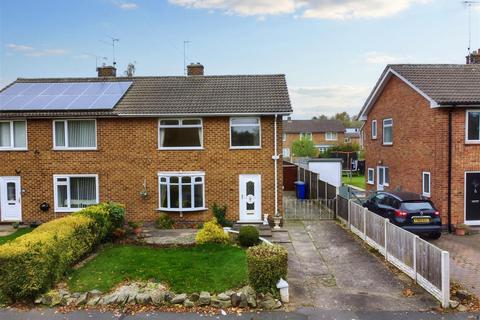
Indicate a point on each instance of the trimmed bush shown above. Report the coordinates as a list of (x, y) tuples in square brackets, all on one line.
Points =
[(248, 236), (164, 221), (266, 265), (220, 212), (212, 232), (32, 263)]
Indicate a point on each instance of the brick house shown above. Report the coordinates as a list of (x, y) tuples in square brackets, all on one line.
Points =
[(157, 144), (422, 134), (324, 133)]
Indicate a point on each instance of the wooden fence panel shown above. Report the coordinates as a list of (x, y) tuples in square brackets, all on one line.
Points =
[(429, 262), (375, 230)]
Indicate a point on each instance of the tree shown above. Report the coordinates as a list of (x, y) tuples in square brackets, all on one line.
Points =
[(304, 148), (347, 120)]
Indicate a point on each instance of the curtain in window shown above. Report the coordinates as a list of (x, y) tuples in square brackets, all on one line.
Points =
[(4, 134), (19, 134), (81, 134), (62, 196), (83, 192), (59, 134)]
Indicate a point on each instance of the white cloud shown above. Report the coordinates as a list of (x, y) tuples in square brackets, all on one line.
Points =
[(314, 9), (382, 58), (34, 52), (313, 101), (125, 5)]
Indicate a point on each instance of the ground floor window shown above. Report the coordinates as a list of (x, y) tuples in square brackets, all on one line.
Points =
[(426, 184), (286, 152), (371, 176), (74, 192), (383, 177), (184, 191)]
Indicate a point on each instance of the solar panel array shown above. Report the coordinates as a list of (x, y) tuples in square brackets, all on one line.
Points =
[(62, 96)]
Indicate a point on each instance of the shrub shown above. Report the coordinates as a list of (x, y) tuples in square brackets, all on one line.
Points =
[(30, 264), (248, 236), (116, 212), (164, 221), (266, 265), (212, 232), (220, 212)]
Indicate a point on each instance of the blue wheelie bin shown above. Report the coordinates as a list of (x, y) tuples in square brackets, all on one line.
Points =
[(300, 189)]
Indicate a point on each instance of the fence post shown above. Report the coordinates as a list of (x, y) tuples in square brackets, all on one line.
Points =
[(326, 189), (318, 189), (445, 279), (386, 238), (336, 207), (365, 210), (348, 216), (415, 257)]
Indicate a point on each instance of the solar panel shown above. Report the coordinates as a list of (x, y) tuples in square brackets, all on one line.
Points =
[(63, 96)]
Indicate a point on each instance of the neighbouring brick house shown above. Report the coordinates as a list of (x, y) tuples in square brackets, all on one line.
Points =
[(422, 134), (324, 133), (157, 144)]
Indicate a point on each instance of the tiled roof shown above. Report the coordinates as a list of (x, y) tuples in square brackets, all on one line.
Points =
[(199, 95), (297, 126), (352, 135)]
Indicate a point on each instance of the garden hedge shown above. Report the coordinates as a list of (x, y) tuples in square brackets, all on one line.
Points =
[(266, 265), (32, 263), (248, 236)]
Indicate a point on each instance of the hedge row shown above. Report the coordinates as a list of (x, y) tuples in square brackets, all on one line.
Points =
[(266, 265), (32, 263)]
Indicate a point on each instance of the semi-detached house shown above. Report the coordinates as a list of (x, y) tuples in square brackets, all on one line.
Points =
[(422, 134), (174, 144)]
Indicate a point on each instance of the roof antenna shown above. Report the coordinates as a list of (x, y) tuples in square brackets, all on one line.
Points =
[(97, 57), (469, 5), (114, 62), (185, 42)]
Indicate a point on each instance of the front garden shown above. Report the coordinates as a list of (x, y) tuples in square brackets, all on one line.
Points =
[(82, 260)]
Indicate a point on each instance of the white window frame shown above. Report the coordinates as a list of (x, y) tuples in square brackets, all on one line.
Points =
[(425, 193), (12, 137), (383, 183), (247, 125), (372, 170), (306, 135), (284, 137), (383, 131), (468, 141), (374, 129), (65, 128), (333, 136), (193, 175), (68, 176), (181, 125)]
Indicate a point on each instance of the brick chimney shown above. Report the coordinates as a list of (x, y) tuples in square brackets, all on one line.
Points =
[(107, 71), (474, 57), (195, 69)]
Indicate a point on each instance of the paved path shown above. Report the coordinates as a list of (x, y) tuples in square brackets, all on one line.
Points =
[(330, 270), (464, 259)]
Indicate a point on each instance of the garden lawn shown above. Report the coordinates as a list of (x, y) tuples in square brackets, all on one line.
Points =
[(212, 267), (16, 234), (357, 181)]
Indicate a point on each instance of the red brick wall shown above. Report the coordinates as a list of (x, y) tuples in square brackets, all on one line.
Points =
[(127, 154)]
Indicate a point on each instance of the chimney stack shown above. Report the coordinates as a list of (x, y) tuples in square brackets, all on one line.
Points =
[(474, 57), (106, 71), (195, 69), (289, 119)]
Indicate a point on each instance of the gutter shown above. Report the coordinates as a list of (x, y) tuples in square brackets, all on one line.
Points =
[(275, 163), (449, 191)]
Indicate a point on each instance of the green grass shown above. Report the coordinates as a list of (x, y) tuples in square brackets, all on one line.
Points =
[(16, 234), (213, 268), (357, 181)]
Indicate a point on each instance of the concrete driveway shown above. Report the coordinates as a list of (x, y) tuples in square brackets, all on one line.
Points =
[(330, 270)]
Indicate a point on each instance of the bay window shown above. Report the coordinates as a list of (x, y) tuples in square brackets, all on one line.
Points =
[(74, 192), (184, 191), (13, 135), (180, 134), (245, 133), (473, 126), (75, 134)]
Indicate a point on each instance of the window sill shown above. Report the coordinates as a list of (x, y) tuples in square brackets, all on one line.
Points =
[(426, 195), (387, 144), (245, 148), (371, 182), (472, 142), (74, 149), (182, 210), (62, 210), (14, 149), (180, 148)]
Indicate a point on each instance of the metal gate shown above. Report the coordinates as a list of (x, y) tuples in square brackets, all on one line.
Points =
[(309, 209)]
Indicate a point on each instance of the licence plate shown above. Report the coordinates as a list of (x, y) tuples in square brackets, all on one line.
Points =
[(421, 220)]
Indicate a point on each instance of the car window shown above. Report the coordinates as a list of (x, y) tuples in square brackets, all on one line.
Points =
[(395, 203), (378, 199), (417, 205)]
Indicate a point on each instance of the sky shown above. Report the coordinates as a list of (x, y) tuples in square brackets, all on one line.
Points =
[(331, 51)]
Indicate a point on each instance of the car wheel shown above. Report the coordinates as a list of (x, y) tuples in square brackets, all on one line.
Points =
[(435, 235)]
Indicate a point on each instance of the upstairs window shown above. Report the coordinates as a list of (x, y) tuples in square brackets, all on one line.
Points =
[(306, 135), (244, 133), (331, 136), (284, 137), (75, 134), (180, 134), (387, 131), (374, 129), (13, 135), (473, 126), (183, 191), (74, 192)]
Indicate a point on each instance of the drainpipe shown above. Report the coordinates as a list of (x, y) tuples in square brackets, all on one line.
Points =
[(275, 163), (449, 212)]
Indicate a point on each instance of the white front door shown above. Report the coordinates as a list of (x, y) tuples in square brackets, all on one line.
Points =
[(10, 199), (383, 178), (250, 198)]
